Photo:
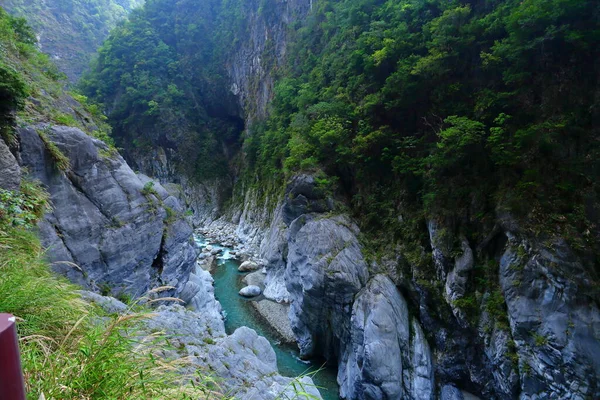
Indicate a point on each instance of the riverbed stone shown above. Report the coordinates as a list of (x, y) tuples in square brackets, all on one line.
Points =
[(256, 278), (247, 266), (250, 291), (276, 315)]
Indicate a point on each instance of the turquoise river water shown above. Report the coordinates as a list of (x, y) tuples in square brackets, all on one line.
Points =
[(239, 312)]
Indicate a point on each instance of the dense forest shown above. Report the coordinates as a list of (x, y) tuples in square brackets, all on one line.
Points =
[(161, 78), (454, 109)]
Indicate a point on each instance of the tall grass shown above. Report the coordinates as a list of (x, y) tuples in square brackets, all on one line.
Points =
[(73, 350)]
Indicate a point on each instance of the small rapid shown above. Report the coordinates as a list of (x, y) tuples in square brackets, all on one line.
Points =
[(239, 312)]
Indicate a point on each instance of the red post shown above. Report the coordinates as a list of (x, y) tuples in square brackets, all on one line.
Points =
[(12, 386)]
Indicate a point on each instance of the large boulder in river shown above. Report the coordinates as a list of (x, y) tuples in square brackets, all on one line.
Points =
[(248, 266), (109, 229), (250, 291)]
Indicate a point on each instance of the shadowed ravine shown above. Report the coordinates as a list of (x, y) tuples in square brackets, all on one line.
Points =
[(239, 312)]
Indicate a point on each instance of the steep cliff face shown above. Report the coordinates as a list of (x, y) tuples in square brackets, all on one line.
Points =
[(110, 229), (251, 65), (215, 87), (394, 334)]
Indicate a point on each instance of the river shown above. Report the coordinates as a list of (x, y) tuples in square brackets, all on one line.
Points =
[(239, 312)]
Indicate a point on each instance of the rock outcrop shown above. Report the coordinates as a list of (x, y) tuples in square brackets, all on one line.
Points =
[(243, 362), (554, 322), (379, 351), (325, 270), (109, 229), (510, 338), (10, 176)]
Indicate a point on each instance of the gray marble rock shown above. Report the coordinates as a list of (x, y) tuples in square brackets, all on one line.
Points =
[(301, 197), (248, 266), (325, 270), (457, 279), (384, 359), (119, 238), (250, 291), (243, 363), (256, 278), (421, 373), (107, 303), (450, 392), (554, 325), (199, 295), (10, 172)]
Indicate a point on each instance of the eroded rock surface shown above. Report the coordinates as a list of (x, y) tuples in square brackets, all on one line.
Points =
[(325, 271), (244, 362), (10, 172), (386, 358), (106, 231), (554, 322)]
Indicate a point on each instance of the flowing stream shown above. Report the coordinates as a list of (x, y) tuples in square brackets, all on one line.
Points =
[(239, 312)]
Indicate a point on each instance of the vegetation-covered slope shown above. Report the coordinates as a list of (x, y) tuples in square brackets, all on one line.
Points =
[(71, 31), (448, 109), (70, 349), (162, 80)]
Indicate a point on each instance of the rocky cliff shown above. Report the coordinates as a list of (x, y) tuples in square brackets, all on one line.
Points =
[(507, 311), (394, 334), (109, 230)]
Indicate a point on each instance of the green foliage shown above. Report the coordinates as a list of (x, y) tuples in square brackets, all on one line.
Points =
[(23, 208), (457, 106), (71, 349), (148, 189), (32, 87), (65, 119), (422, 108), (78, 26), (161, 71), (539, 340)]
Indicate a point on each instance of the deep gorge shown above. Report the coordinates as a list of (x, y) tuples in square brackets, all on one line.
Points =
[(418, 180)]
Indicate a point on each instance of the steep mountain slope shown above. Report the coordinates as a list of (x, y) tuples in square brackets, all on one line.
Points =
[(114, 232), (101, 205), (419, 177), (71, 31)]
